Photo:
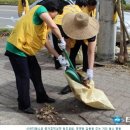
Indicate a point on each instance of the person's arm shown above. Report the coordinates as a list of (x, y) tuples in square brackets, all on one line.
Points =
[(51, 49), (48, 20), (91, 54), (64, 63), (88, 79)]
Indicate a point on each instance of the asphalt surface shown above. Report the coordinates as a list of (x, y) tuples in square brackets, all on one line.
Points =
[(8, 16)]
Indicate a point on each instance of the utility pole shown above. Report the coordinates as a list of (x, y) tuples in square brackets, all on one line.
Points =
[(107, 34)]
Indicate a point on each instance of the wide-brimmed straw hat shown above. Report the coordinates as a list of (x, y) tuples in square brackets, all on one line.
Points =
[(80, 26)]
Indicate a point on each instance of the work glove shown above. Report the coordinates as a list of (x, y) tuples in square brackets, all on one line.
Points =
[(62, 44), (90, 74), (88, 79), (64, 63)]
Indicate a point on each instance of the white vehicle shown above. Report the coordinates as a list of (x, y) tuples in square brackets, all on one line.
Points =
[(127, 24), (37, 1)]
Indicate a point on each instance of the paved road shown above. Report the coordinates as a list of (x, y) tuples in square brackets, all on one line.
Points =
[(114, 80), (8, 14)]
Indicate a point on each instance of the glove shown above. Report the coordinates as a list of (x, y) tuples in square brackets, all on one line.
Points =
[(90, 74), (88, 80), (64, 63), (62, 44)]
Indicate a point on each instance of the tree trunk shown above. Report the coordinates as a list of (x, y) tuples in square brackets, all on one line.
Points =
[(106, 37)]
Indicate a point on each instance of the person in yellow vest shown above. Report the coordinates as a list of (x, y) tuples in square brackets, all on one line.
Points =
[(75, 8), (115, 15), (88, 7), (27, 38), (81, 26), (23, 7)]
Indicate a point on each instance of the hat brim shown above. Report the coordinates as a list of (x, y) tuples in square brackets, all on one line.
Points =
[(77, 33)]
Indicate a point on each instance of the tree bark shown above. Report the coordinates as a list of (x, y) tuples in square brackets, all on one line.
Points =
[(106, 37)]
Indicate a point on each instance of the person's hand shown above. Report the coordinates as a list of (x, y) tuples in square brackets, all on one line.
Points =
[(88, 83), (62, 44), (87, 80), (64, 63)]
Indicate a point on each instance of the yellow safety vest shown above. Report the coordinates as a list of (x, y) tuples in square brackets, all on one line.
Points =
[(67, 9), (27, 36), (91, 13), (115, 15)]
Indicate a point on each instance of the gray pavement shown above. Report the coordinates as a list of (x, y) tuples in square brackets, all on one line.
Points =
[(114, 80)]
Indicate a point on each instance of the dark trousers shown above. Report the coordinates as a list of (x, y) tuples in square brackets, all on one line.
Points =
[(26, 68), (74, 51)]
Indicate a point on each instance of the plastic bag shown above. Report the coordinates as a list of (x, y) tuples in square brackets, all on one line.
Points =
[(90, 96)]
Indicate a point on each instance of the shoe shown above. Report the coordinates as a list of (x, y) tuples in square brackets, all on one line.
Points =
[(46, 100), (66, 90), (28, 110)]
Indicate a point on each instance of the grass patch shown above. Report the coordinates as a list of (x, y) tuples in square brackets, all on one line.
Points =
[(127, 7), (8, 2), (13, 2)]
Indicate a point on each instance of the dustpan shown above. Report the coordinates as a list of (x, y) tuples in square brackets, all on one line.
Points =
[(70, 71)]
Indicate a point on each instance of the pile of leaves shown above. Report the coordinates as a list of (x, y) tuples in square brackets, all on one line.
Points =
[(4, 32), (48, 114)]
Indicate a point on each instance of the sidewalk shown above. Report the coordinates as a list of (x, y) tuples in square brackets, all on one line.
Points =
[(114, 80)]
